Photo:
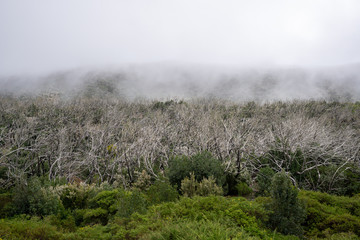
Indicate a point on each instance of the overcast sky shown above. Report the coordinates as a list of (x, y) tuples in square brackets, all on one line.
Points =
[(39, 36)]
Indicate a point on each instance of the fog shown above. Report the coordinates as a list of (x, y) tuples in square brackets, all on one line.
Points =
[(233, 49)]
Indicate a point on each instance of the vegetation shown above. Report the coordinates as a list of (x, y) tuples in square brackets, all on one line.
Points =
[(287, 212), (109, 169)]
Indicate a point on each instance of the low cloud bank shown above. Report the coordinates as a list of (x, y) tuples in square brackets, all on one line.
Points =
[(184, 81)]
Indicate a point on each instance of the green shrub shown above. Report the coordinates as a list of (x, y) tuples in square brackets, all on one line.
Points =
[(131, 202), (288, 211), (75, 196), (43, 202), (208, 187), (212, 217), (63, 222), (329, 214), (103, 206), (190, 187), (106, 200), (202, 165), (96, 216), (161, 191), (34, 197), (5, 204), (243, 189), (20, 199), (206, 230), (263, 179), (21, 229)]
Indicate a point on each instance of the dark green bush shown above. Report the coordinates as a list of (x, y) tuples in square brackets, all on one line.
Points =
[(243, 189), (106, 200), (104, 205), (5, 204), (34, 197), (96, 216), (263, 179), (42, 201), (161, 191), (64, 222), (329, 214), (131, 202), (288, 211), (202, 165), (76, 196)]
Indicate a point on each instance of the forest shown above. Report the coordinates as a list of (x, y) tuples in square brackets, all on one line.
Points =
[(91, 167)]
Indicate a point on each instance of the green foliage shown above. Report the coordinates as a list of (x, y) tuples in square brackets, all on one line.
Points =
[(202, 165), (20, 202), (104, 205), (131, 202), (206, 230), (106, 200), (22, 229), (76, 196), (209, 187), (34, 197), (42, 201), (143, 182), (65, 222), (350, 184), (264, 181), (328, 214), (96, 216), (190, 187), (163, 105), (161, 191), (211, 217), (5, 204), (288, 211), (243, 189)]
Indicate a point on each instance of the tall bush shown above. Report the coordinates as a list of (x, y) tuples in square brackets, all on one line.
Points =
[(288, 211), (203, 165)]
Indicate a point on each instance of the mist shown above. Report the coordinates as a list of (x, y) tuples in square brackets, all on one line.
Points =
[(237, 50)]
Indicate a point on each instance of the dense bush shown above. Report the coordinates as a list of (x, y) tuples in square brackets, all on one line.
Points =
[(104, 205), (131, 202), (202, 165), (288, 211), (161, 191), (34, 197), (202, 218), (76, 196), (243, 189), (263, 179), (5, 204), (190, 187), (21, 229), (127, 215), (328, 214)]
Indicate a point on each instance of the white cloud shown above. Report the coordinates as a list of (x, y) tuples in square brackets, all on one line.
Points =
[(46, 35)]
